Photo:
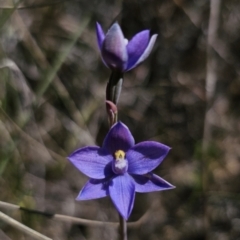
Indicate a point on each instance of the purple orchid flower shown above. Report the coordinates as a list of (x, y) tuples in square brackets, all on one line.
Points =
[(120, 168), (118, 53)]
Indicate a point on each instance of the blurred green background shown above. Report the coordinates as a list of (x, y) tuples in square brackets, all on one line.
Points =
[(52, 93)]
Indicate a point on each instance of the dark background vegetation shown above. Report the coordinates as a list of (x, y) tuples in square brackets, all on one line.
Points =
[(52, 93)]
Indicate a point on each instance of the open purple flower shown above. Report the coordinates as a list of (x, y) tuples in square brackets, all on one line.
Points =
[(118, 53), (120, 168)]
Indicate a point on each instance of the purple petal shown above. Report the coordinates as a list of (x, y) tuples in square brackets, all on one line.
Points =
[(150, 183), (118, 138), (135, 56), (146, 156), (100, 35), (100, 38), (122, 193), (114, 50), (93, 189), (137, 46), (92, 161)]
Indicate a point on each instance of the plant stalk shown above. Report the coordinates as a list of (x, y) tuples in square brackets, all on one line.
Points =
[(122, 228)]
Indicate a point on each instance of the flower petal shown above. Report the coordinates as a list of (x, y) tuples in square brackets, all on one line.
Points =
[(146, 156), (150, 183), (137, 46), (144, 47), (122, 193), (100, 39), (93, 189), (92, 161), (114, 50), (118, 138), (100, 35)]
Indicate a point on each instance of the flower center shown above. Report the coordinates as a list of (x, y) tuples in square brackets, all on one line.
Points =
[(119, 154), (120, 164)]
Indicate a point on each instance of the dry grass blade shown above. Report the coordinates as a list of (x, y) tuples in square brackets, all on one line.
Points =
[(50, 75), (23, 228), (77, 220), (41, 5)]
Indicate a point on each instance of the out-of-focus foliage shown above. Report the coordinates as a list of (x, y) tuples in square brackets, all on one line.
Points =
[(52, 93)]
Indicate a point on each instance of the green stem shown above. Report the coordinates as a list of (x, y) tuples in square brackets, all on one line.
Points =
[(113, 91), (114, 86), (122, 228)]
